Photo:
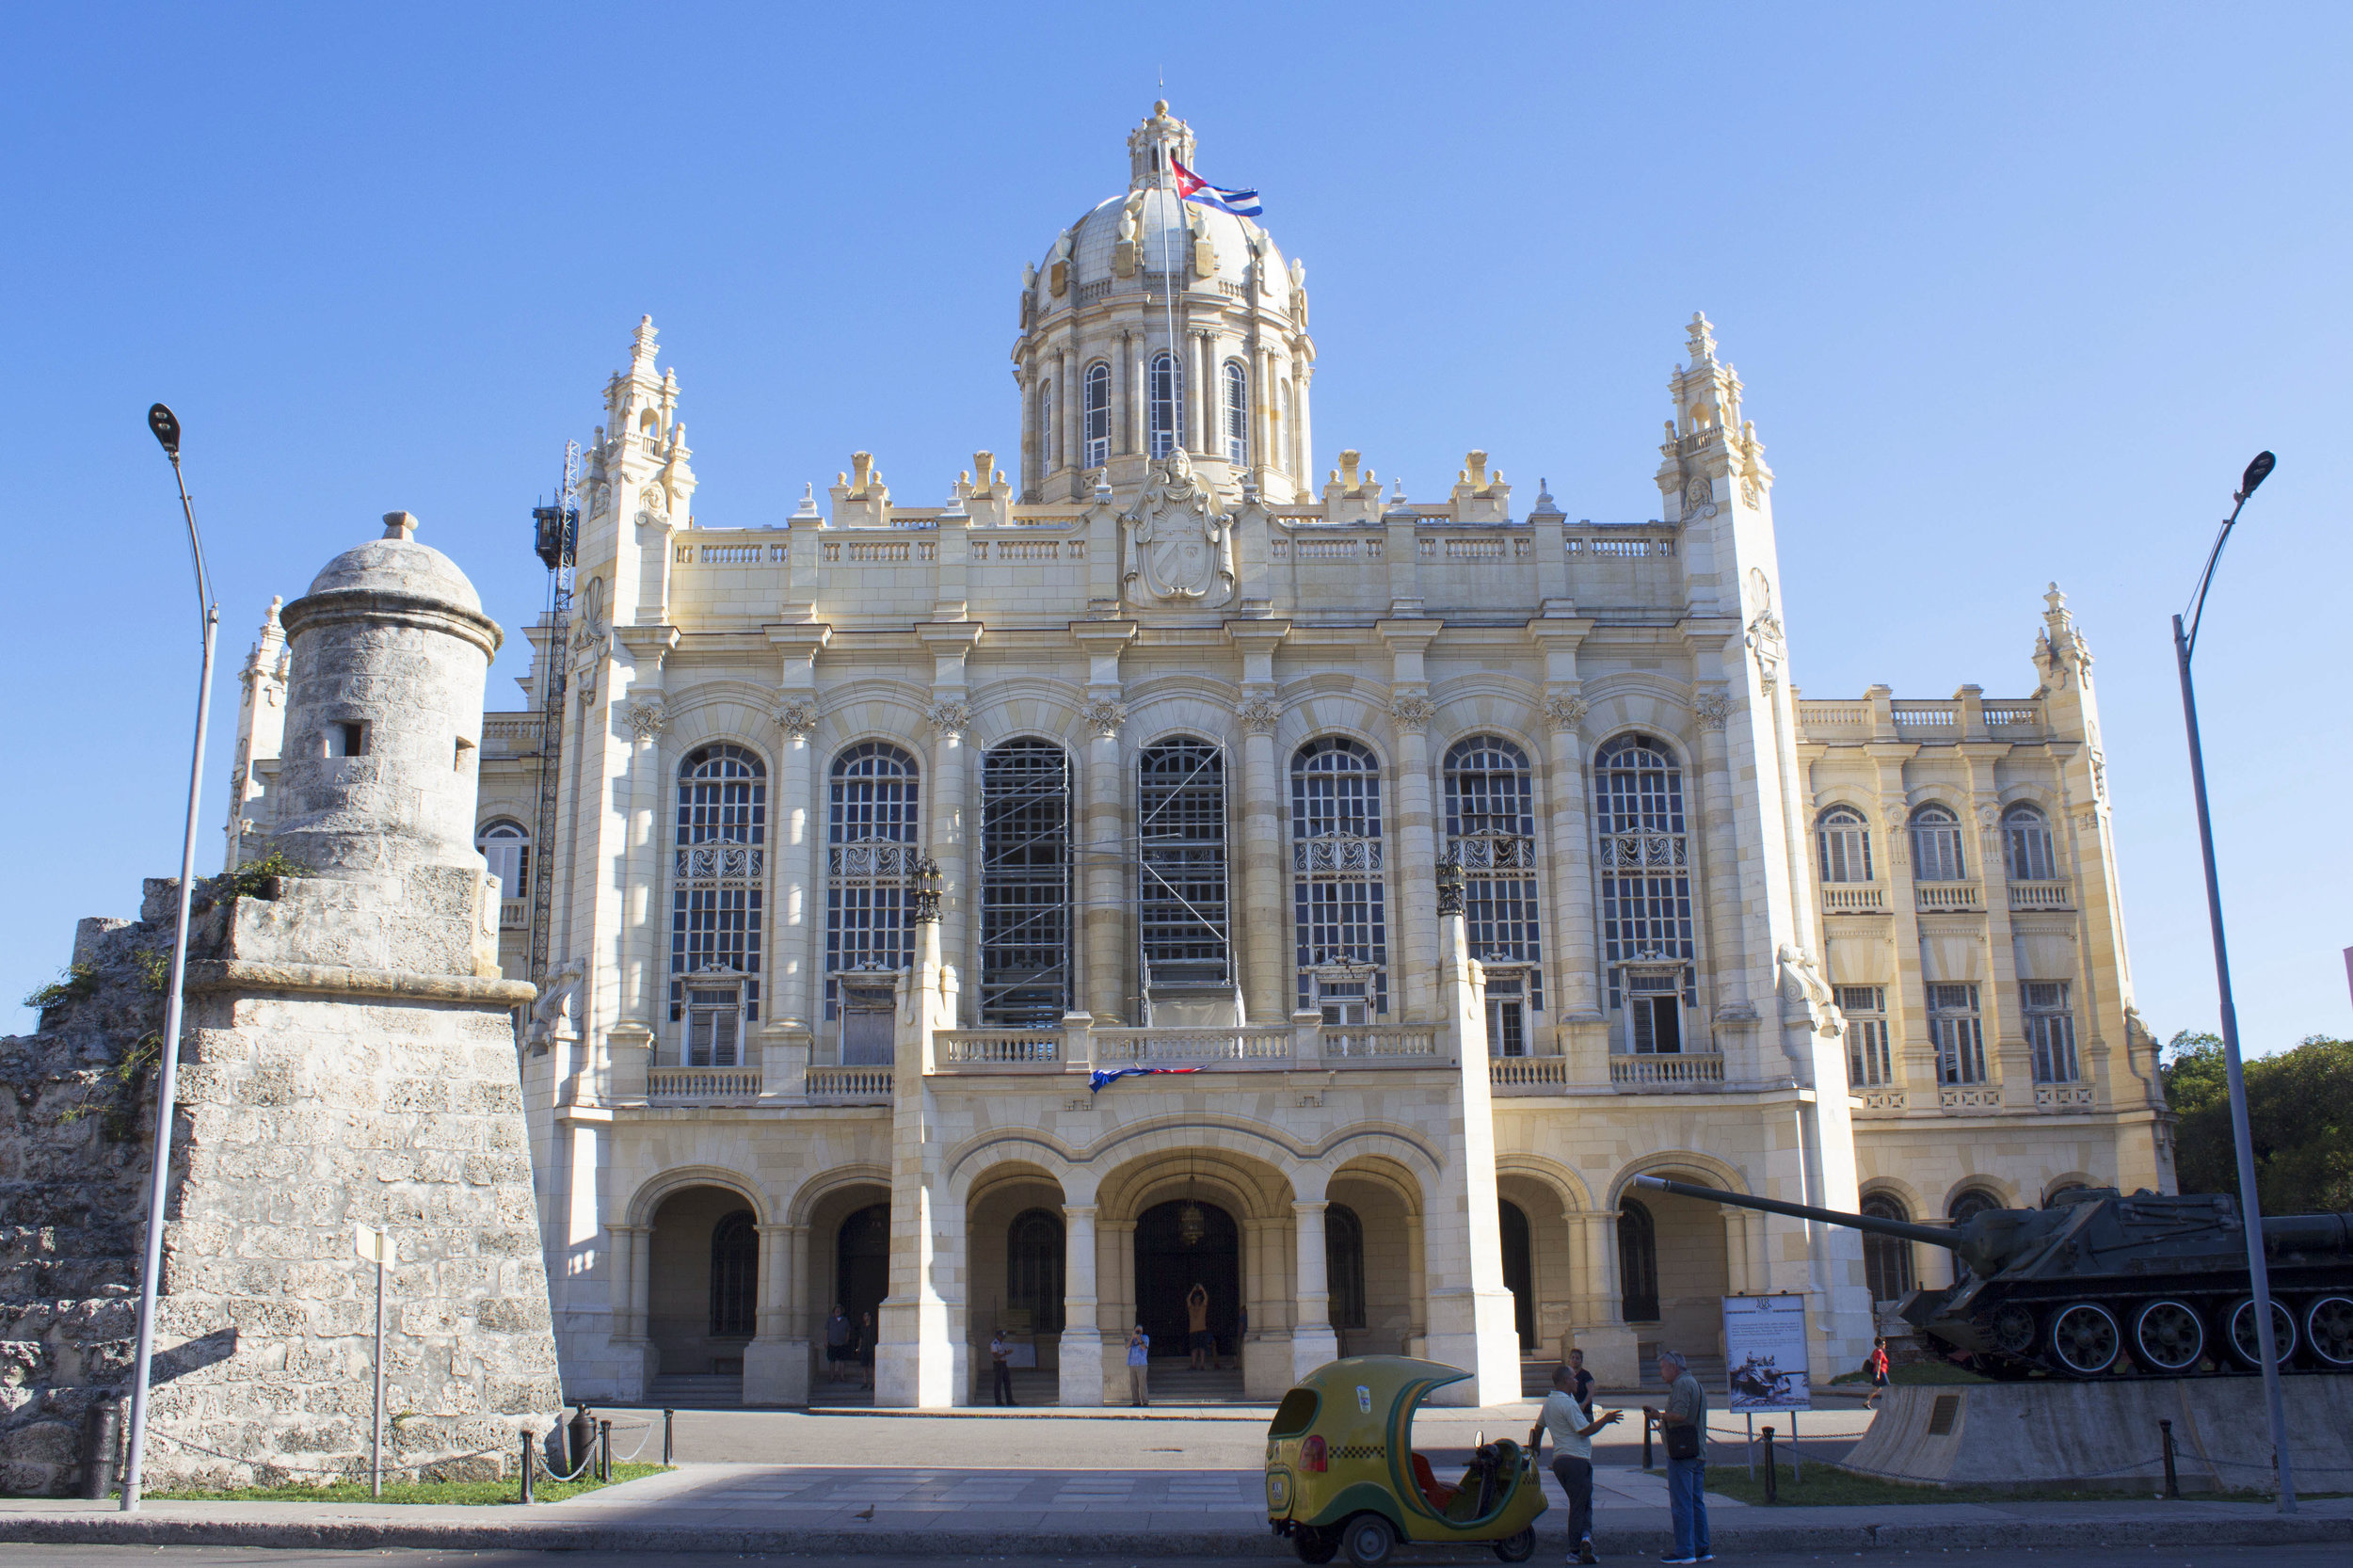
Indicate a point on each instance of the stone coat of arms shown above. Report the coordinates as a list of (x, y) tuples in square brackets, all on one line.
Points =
[(1179, 544)]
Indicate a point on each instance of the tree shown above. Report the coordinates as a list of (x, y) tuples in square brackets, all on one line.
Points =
[(2299, 1114)]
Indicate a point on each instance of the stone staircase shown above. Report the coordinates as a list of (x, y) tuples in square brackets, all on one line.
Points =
[(1174, 1382)]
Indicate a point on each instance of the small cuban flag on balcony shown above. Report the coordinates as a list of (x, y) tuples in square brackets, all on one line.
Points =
[(1100, 1076), (1191, 187)]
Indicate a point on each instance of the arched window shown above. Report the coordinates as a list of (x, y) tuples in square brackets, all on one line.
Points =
[(506, 846), (1845, 844), (1936, 846), (1490, 833), (1968, 1203), (1099, 414), (1033, 1269), (1025, 884), (1180, 825), (734, 1276), (1166, 402), (1344, 1265), (1340, 915), (1049, 437), (1645, 889), (1886, 1259), (1236, 413), (2026, 844), (870, 849), (717, 870), (1638, 1263)]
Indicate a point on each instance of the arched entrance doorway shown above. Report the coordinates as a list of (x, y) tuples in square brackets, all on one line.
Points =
[(861, 1262), (703, 1261), (1519, 1274), (1181, 1244)]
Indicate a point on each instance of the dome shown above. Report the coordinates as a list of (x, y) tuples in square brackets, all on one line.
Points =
[(398, 563)]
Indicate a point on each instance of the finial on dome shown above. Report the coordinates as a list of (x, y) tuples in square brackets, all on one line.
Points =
[(399, 526), (808, 509), (1702, 343), (641, 350), (1160, 107)]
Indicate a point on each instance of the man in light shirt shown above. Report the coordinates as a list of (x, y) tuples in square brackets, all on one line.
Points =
[(1572, 1424)]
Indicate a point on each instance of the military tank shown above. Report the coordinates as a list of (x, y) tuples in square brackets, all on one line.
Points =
[(2100, 1284)]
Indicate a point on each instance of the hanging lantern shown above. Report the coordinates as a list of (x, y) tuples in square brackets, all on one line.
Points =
[(1192, 1225)]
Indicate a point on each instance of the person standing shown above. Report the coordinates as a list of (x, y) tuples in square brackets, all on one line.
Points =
[(1584, 1379), (1879, 1372), (866, 1349), (1138, 1366), (1572, 1423), (1000, 1364), (839, 1331), (1198, 1338), (1684, 1425)]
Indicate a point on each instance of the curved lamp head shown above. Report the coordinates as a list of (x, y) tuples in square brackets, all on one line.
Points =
[(167, 428), (2257, 471)]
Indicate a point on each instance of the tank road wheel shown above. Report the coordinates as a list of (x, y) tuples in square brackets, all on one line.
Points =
[(1315, 1545), (2168, 1336), (2086, 1340), (1368, 1539), (1518, 1548), (2329, 1330), (2245, 1348), (2014, 1328)]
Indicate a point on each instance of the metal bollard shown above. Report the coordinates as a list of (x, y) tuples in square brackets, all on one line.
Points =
[(604, 1451), (1647, 1424), (582, 1431), (531, 1464), (2172, 1478), (102, 1442), (667, 1417), (1772, 1477)]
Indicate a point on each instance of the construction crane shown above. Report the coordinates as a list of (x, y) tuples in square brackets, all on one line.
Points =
[(555, 537)]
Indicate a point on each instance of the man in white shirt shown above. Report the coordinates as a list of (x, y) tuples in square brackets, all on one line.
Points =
[(1572, 1425)]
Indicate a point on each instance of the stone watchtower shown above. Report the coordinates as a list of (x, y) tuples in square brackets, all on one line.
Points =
[(350, 1060)]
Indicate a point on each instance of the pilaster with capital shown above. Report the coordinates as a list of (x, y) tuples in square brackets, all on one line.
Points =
[(1412, 713), (1268, 980), (1105, 850), (949, 717), (1082, 1348), (1572, 861), (1735, 1013)]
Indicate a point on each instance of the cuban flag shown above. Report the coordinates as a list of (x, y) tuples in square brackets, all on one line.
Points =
[(1101, 1077), (1191, 187)]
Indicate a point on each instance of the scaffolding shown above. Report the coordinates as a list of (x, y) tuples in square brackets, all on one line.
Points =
[(1025, 884), (555, 538)]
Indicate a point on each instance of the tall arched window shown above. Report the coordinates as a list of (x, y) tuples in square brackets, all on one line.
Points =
[(1344, 1265), (1048, 435), (1886, 1259), (2026, 844), (1165, 400), (1099, 414), (1845, 839), (1285, 442), (870, 849), (1033, 1269), (1339, 916), (1936, 855), (717, 870), (1968, 1203), (1638, 1263), (734, 1276), (506, 846), (1236, 413), (1025, 884), (1645, 889), (1180, 825), (1490, 833)]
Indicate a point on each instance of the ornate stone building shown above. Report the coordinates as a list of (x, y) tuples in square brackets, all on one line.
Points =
[(1462, 858)]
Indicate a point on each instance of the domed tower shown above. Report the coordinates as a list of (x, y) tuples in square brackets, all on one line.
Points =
[(388, 651), (1153, 322)]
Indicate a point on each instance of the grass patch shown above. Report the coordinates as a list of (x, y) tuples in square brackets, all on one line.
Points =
[(1917, 1373), (1826, 1487), (463, 1492)]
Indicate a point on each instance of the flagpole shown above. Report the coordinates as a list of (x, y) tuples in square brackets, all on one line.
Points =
[(1170, 257)]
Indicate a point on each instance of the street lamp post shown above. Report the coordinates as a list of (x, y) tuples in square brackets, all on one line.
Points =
[(2259, 1274), (167, 428)]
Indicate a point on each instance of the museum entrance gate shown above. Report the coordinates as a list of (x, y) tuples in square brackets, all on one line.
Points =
[(1175, 1250), (862, 1275)]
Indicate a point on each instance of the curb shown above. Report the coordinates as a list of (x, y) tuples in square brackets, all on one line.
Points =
[(362, 1534)]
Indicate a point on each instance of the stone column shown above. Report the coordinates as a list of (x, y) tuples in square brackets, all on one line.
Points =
[(1313, 1343), (1415, 877), (1572, 862), (1081, 1351), (1204, 399), (799, 881), (1103, 873), (1115, 1309), (1601, 1329), (1722, 927), (920, 1359), (1268, 974), (1471, 1310), (1417, 1286), (631, 1287), (950, 843), (776, 1365)]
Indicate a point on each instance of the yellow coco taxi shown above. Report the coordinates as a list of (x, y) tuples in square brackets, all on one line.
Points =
[(1341, 1473)]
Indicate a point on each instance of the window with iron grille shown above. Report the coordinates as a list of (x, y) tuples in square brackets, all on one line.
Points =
[(1865, 1007), (1165, 400), (1236, 413), (871, 851), (717, 870), (1886, 1259), (734, 1276), (1644, 860), (1099, 414), (1025, 884), (2026, 844), (1180, 825), (1340, 915), (1936, 855), (1846, 845), (1490, 833), (1958, 1033), (2051, 1030)]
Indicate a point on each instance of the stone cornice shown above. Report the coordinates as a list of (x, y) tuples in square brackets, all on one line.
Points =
[(335, 980)]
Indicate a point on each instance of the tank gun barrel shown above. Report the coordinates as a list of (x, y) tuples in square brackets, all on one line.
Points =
[(1950, 1240)]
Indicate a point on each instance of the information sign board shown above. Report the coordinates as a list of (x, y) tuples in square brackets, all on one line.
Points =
[(1764, 1353)]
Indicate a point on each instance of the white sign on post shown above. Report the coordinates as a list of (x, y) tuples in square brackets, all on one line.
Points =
[(376, 1246), (1764, 1353)]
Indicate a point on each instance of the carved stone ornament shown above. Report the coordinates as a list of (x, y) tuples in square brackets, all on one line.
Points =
[(1765, 640), (649, 718), (1259, 715), (797, 718), (1565, 712), (1712, 709), (1104, 717), (1179, 544), (1805, 995), (1989, 817), (1413, 713), (653, 506), (949, 718)]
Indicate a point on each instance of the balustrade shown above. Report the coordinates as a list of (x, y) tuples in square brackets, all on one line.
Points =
[(849, 1085), (1854, 899), (2041, 895), (1947, 897), (675, 1084), (1688, 1069), (1528, 1075), (1001, 1047), (1380, 1040), (1178, 1046)]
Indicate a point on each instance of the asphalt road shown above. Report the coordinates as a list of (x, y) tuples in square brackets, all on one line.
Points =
[(2331, 1554)]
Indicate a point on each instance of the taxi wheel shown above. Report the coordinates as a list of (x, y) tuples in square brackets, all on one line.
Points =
[(1315, 1545), (1368, 1539), (1518, 1548)]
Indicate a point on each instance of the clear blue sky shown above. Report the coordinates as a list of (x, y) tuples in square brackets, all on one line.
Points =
[(2016, 291)]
